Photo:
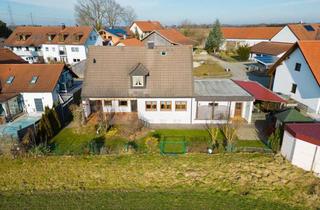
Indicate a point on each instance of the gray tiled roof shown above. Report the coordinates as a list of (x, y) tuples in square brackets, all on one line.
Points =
[(170, 75), (220, 89)]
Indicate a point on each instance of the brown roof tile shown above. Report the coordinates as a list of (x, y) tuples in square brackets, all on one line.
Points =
[(302, 33), (8, 57), (271, 48), (250, 32), (48, 76), (148, 26), (170, 75), (39, 35)]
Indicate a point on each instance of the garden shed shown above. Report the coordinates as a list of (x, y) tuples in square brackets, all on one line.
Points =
[(301, 145), (291, 116)]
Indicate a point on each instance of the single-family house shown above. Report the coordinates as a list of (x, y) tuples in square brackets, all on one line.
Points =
[(297, 75), (37, 44), (29, 88), (240, 36), (131, 42), (293, 33), (8, 57), (166, 37), (301, 145), (141, 29), (157, 85)]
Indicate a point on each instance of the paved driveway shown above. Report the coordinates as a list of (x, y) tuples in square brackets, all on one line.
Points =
[(238, 70)]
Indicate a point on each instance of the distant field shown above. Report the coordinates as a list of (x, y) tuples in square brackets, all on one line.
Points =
[(224, 181)]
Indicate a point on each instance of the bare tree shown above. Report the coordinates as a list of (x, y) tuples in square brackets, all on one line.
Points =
[(90, 12), (96, 13)]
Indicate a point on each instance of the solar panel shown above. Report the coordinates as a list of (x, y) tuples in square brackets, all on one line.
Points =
[(309, 28)]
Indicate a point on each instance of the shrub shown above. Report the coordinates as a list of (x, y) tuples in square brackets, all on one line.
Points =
[(243, 53), (39, 150), (151, 144), (115, 145), (275, 140)]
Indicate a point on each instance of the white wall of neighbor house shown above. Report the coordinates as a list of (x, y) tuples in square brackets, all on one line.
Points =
[(242, 42), (316, 164), (28, 98), (135, 28), (308, 91), (288, 145), (30, 54), (285, 35)]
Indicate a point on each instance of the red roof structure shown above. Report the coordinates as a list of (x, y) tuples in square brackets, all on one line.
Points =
[(308, 132), (259, 92)]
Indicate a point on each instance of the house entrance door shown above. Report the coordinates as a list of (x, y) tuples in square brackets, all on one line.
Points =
[(134, 106), (238, 111)]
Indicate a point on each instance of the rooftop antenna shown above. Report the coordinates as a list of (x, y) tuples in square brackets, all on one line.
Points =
[(31, 17), (10, 15)]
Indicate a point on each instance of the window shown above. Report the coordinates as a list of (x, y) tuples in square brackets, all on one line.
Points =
[(10, 79), (107, 103), (309, 28), (47, 49), (181, 106), (74, 49), (165, 105), (297, 67), (138, 81), (294, 88), (150, 45), (76, 60), (151, 106), (163, 53), (123, 103), (94, 61), (94, 37), (53, 49), (27, 48), (34, 80)]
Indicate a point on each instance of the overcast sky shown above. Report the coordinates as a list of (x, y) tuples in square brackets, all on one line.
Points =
[(172, 11)]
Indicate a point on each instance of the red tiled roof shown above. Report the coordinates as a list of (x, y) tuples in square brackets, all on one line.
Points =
[(133, 42), (174, 36), (250, 32), (7, 96), (48, 76), (148, 26), (8, 57), (39, 35), (271, 48), (259, 92), (302, 33), (308, 132)]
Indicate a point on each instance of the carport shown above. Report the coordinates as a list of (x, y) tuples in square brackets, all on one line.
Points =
[(269, 99), (301, 145)]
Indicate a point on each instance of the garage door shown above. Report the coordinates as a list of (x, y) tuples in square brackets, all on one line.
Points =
[(303, 155), (38, 104)]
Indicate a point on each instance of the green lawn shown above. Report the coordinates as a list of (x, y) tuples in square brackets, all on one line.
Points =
[(224, 181), (251, 143), (211, 70)]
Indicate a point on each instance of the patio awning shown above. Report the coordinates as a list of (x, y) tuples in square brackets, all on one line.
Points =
[(259, 92), (266, 60)]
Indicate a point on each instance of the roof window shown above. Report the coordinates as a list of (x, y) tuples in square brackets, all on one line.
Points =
[(163, 53), (34, 80), (309, 28), (10, 80)]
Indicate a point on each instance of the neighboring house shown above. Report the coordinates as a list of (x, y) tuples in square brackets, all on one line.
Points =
[(301, 145), (166, 37), (240, 36), (132, 42), (157, 85), (30, 88), (267, 53), (297, 75), (112, 36), (141, 29), (291, 115), (8, 57), (52, 43), (297, 32)]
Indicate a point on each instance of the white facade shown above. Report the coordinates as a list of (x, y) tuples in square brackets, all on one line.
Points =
[(242, 42), (135, 29), (308, 91), (301, 153), (70, 54), (30, 54), (29, 101), (285, 35), (173, 116)]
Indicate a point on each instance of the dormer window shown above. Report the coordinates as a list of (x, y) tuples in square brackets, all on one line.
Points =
[(138, 81), (77, 37), (62, 37), (10, 79), (34, 80), (51, 37)]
